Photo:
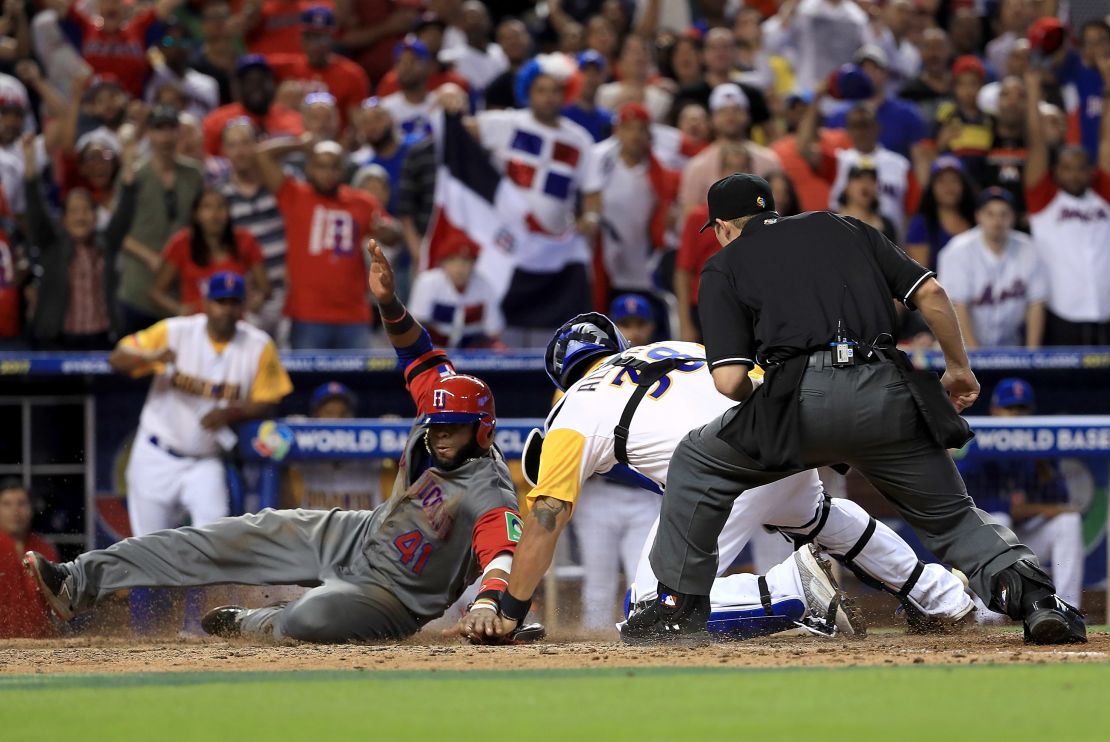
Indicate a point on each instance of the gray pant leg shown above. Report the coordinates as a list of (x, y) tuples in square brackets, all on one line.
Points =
[(866, 417), (706, 475), (334, 612), (287, 547)]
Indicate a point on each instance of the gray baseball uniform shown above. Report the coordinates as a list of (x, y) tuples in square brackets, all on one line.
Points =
[(378, 574)]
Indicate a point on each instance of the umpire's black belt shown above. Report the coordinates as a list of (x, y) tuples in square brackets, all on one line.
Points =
[(825, 358)]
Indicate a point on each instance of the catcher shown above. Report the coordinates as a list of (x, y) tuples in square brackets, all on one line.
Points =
[(375, 575)]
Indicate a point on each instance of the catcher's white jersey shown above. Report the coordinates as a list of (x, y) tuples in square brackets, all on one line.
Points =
[(204, 375), (579, 431)]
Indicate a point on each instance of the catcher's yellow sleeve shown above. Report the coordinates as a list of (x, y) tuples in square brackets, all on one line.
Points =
[(560, 467), (271, 382)]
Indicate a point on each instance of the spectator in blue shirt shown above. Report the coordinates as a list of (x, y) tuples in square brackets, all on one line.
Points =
[(584, 111), (901, 126), (1081, 70)]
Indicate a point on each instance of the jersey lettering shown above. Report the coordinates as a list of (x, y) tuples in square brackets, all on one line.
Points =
[(413, 549), (332, 230), (658, 354)]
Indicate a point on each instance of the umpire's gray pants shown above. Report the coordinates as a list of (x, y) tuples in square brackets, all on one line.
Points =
[(313, 548), (860, 415)]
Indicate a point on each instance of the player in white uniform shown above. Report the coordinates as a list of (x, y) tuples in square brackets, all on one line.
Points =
[(596, 428), (210, 371), (614, 518)]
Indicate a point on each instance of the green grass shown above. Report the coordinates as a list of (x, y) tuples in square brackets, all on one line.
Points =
[(1060, 702)]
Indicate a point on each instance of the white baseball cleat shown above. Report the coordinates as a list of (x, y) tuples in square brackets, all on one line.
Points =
[(830, 612)]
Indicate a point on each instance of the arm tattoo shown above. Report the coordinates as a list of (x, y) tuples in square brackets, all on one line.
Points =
[(546, 511)]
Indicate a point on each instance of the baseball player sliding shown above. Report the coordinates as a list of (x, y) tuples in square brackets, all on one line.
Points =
[(624, 412), (378, 574)]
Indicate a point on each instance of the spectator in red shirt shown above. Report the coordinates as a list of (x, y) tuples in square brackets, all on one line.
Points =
[(273, 26), (13, 272), (256, 81), (369, 31), (23, 612), (319, 67), (208, 246), (429, 32), (326, 228), (112, 45)]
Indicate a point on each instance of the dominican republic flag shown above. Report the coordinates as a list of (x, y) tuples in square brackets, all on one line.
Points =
[(541, 279), (473, 203)]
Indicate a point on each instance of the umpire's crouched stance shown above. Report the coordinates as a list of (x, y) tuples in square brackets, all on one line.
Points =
[(809, 298)]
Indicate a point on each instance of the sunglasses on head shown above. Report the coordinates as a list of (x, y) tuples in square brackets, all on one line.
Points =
[(170, 42)]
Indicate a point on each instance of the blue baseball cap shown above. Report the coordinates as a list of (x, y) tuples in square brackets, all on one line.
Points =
[(412, 44), (946, 162), (630, 305), (330, 390), (318, 18), (592, 56), (995, 193), (252, 61), (226, 285), (1013, 392)]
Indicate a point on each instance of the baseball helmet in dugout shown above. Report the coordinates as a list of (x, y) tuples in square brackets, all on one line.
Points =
[(585, 337), (460, 398)]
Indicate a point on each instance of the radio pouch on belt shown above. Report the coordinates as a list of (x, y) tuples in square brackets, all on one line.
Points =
[(944, 424)]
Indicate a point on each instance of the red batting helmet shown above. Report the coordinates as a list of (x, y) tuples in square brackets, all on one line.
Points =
[(462, 399)]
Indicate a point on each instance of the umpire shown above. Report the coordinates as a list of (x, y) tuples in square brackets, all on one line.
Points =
[(809, 298)]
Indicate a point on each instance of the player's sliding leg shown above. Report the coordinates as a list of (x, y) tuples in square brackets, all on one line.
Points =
[(337, 611), (267, 548), (933, 598)]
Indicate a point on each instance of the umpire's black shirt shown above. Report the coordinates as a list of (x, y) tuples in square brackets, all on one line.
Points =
[(778, 289)]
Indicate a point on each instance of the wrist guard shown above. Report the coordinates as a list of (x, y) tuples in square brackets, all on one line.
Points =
[(514, 608)]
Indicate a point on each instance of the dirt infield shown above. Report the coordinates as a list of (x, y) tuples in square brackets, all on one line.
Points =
[(90, 655)]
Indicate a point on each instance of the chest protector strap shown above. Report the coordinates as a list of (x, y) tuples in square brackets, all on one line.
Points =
[(649, 372)]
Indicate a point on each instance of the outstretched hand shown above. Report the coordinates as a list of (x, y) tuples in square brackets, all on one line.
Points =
[(482, 626), (381, 274)]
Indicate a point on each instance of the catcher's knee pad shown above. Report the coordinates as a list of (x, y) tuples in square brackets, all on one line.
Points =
[(835, 528)]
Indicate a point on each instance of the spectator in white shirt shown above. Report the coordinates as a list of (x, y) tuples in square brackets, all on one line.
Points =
[(634, 194), (995, 278), (454, 302), (171, 67), (1069, 216), (478, 60), (817, 36), (634, 67), (412, 105)]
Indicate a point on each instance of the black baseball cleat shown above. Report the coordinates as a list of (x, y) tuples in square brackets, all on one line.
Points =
[(672, 618), (1052, 621), (526, 634), (54, 583), (223, 621)]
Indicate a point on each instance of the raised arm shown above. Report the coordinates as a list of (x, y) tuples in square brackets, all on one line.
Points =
[(40, 226), (1104, 127), (1036, 159), (268, 156), (423, 363)]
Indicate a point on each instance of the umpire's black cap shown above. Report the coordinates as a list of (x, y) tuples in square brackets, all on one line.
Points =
[(737, 195)]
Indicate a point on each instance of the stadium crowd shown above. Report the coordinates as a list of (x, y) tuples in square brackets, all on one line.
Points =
[(145, 146)]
